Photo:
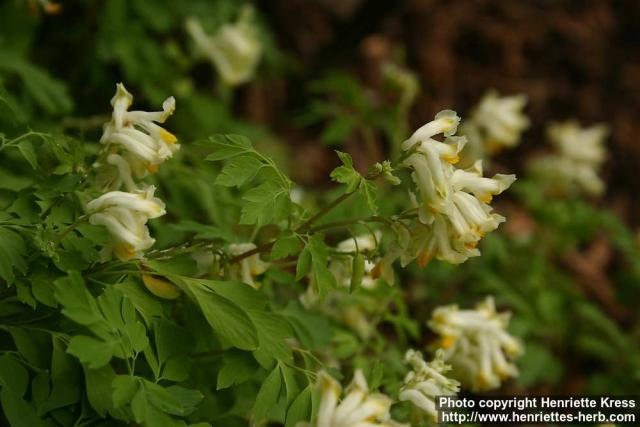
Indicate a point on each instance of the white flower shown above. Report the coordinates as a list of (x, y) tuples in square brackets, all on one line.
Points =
[(125, 216), (498, 121), (453, 209), (342, 265), (427, 381), (476, 344), (248, 268), (234, 49), (136, 136), (358, 408), (579, 155)]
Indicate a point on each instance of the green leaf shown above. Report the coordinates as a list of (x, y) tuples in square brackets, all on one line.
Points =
[(171, 340), (78, 304), (227, 146), (304, 263), (287, 244), (300, 409), (26, 149), (91, 351), (338, 130), (268, 394), (265, 204), (13, 376), (357, 271), (346, 174), (237, 367), (13, 251), (98, 383), (124, 388), (17, 411), (369, 191), (323, 278), (272, 329), (174, 400), (239, 171), (226, 318)]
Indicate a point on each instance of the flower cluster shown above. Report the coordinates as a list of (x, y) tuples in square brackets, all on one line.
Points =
[(497, 122), (453, 205), (136, 146), (358, 408), (234, 49), (426, 381), (476, 344), (579, 155)]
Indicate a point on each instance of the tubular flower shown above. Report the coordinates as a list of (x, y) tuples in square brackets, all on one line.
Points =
[(247, 269), (125, 216), (453, 210), (427, 381), (579, 155), (136, 135), (499, 121), (358, 408), (342, 265), (234, 49), (476, 344)]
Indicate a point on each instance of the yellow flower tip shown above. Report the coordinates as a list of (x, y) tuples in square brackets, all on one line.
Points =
[(376, 272), (124, 252), (424, 258), (160, 287), (486, 198), (152, 168), (471, 245), (52, 8), (452, 159), (493, 146), (167, 136), (447, 341), (481, 382)]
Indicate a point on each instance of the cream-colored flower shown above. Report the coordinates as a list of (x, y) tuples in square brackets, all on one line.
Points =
[(498, 121), (235, 49), (342, 265), (358, 408), (575, 165), (136, 136), (426, 381), (247, 269), (125, 216), (453, 208), (477, 344)]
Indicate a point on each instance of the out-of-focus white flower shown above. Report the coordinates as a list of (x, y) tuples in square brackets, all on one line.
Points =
[(476, 344), (358, 408), (136, 135), (453, 209), (235, 49), (427, 381), (250, 267), (342, 265), (579, 155), (125, 216), (499, 121)]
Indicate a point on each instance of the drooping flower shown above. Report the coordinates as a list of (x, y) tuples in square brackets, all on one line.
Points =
[(136, 136), (125, 216), (497, 122), (477, 344), (358, 408), (235, 49), (453, 208), (341, 264), (575, 165), (247, 269), (426, 381)]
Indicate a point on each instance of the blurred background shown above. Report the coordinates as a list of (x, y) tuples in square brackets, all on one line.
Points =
[(567, 266)]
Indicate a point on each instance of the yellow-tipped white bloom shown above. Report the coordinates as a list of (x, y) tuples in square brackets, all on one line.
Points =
[(579, 155), (125, 216), (136, 134), (235, 49), (453, 208), (427, 381), (358, 408), (247, 269), (498, 121), (476, 344)]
